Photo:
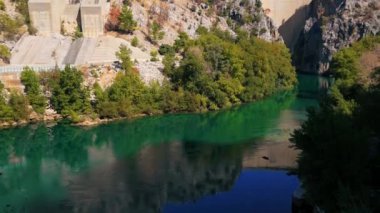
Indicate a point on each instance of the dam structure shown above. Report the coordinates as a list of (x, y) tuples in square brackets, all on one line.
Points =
[(289, 16), (47, 16)]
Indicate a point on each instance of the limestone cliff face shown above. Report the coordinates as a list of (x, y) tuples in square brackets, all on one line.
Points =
[(188, 15), (250, 15), (332, 25)]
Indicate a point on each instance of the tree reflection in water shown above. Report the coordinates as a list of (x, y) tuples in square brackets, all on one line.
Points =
[(133, 166)]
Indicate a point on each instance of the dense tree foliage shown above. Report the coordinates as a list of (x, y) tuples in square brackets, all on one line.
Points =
[(8, 26), (340, 160), (33, 91), (69, 97), (211, 72), (19, 105), (13, 107), (229, 71)]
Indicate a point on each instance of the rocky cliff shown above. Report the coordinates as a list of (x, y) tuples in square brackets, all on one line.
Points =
[(250, 16), (188, 15), (332, 25)]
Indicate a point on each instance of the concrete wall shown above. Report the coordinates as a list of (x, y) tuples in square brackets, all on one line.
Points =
[(93, 15), (46, 15), (40, 15), (289, 16)]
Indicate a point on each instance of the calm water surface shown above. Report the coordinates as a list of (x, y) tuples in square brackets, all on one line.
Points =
[(234, 160)]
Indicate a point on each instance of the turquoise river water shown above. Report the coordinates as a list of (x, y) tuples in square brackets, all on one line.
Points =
[(235, 160)]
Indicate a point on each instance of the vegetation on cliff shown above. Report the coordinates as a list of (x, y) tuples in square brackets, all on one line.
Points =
[(340, 159), (211, 72)]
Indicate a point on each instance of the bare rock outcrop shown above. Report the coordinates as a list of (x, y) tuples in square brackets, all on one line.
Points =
[(188, 15), (331, 26), (249, 15)]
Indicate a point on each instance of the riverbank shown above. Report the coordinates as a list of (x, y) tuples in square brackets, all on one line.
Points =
[(205, 156)]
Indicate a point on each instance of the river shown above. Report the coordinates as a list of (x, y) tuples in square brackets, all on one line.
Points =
[(234, 160)]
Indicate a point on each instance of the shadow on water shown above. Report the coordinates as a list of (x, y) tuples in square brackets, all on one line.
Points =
[(143, 165)]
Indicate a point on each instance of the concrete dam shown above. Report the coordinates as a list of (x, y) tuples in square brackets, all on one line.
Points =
[(289, 16)]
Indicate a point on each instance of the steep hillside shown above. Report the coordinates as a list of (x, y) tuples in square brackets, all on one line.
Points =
[(187, 15), (332, 25)]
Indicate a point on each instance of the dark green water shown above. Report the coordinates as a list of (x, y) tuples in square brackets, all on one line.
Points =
[(174, 163)]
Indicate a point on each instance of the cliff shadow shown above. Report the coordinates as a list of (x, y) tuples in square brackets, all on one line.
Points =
[(291, 28)]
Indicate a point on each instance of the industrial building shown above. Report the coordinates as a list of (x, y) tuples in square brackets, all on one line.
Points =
[(47, 16)]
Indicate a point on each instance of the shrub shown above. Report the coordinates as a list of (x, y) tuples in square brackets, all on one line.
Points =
[(124, 54), (155, 32), (127, 23), (166, 49), (153, 55), (19, 105), (5, 54), (2, 5), (135, 42)]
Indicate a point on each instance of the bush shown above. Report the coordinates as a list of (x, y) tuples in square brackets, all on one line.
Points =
[(135, 42), (127, 23), (124, 54), (6, 113), (9, 27), (22, 8), (2, 5), (155, 32), (19, 105), (166, 49), (153, 55), (5, 54)]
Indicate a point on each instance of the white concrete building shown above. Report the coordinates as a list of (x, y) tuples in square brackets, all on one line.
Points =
[(47, 15)]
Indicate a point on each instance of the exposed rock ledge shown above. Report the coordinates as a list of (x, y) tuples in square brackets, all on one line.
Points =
[(331, 26)]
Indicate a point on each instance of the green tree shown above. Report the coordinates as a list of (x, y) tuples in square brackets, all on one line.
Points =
[(6, 113), (68, 96), (8, 26), (155, 32), (181, 42), (124, 55), (346, 162), (5, 54), (33, 91), (2, 5), (169, 64), (127, 23), (19, 105)]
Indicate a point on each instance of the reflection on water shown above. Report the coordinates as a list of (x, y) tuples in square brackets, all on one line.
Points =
[(163, 163)]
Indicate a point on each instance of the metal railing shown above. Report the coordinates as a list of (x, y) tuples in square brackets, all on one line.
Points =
[(36, 67)]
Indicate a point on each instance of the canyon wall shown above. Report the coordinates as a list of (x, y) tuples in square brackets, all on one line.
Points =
[(331, 26), (289, 16)]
